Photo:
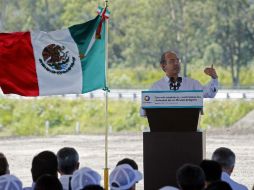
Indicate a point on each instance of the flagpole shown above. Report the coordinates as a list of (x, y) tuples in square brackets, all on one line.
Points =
[(106, 169)]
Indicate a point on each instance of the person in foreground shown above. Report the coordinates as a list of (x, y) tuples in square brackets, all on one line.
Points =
[(226, 158), (128, 161), (190, 177), (4, 166), (212, 170), (171, 65), (219, 185), (93, 187), (10, 182), (124, 177), (85, 177), (68, 162), (43, 163), (48, 182)]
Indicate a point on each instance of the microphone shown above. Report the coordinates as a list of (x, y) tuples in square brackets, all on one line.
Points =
[(175, 84), (172, 79), (171, 85), (179, 81)]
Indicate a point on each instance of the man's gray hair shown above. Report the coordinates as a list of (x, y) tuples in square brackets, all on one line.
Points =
[(225, 157), (163, 58), (67, 159)]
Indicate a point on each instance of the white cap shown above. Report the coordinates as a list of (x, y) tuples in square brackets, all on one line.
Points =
[(84, 177), (10, 182), (124, 177), (168, 188)]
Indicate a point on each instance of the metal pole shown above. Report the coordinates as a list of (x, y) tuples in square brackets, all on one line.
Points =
[(47, 128), (77, 129), (106, 169)]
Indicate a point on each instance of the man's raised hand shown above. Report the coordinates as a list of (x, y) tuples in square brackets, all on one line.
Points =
[(211, 72)]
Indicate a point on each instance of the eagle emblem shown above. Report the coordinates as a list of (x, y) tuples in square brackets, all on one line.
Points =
[(56, 59)]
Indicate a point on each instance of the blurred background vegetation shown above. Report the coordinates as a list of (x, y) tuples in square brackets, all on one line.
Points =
[(203, 32), (29, 116)]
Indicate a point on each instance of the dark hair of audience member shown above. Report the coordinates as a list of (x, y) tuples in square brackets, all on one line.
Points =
[(212, 170), (4, 166), (48, 182), (190, 177), (219, 185), (128, 161), (68, 160), (93, 187), (44, 163)]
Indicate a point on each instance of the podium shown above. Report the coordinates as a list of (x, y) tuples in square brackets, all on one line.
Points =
[(173, 140)]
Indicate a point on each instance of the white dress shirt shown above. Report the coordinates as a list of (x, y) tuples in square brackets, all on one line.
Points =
[(65, 180), (210, 90), (234, 185)]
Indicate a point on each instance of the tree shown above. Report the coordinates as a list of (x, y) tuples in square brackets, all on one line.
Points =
[(232, 28), (202, 31), (32, 15)]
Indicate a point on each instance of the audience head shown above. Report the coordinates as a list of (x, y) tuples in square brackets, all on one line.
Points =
[(128, 161), (48, 182), (226, 158), (219, 185), (4, 166), (190, 177), (124, 177), (10, 182), (44, 163), (93, 187), (68, 160), (212, 170), (84, 177)]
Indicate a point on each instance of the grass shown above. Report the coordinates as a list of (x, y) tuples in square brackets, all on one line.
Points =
[(25, 117)]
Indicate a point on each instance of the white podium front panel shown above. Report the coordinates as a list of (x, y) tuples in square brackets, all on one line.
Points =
[(172, 99)]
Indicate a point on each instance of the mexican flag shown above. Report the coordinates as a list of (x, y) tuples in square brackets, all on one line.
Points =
[(68, 61)]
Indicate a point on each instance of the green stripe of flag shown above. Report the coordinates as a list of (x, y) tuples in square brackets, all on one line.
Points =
[(93, 64)]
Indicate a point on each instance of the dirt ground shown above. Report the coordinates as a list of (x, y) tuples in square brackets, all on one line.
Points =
[(20, 151)]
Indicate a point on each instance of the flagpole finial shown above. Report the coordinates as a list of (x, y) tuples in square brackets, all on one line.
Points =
[(106, 3)]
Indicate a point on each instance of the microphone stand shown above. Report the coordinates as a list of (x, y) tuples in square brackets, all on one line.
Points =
[(175, 85)]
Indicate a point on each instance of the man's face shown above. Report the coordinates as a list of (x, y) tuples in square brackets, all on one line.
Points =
[(172, 65)]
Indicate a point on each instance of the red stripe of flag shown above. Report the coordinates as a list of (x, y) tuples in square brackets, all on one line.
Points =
[(98, 31), (17, 64)]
